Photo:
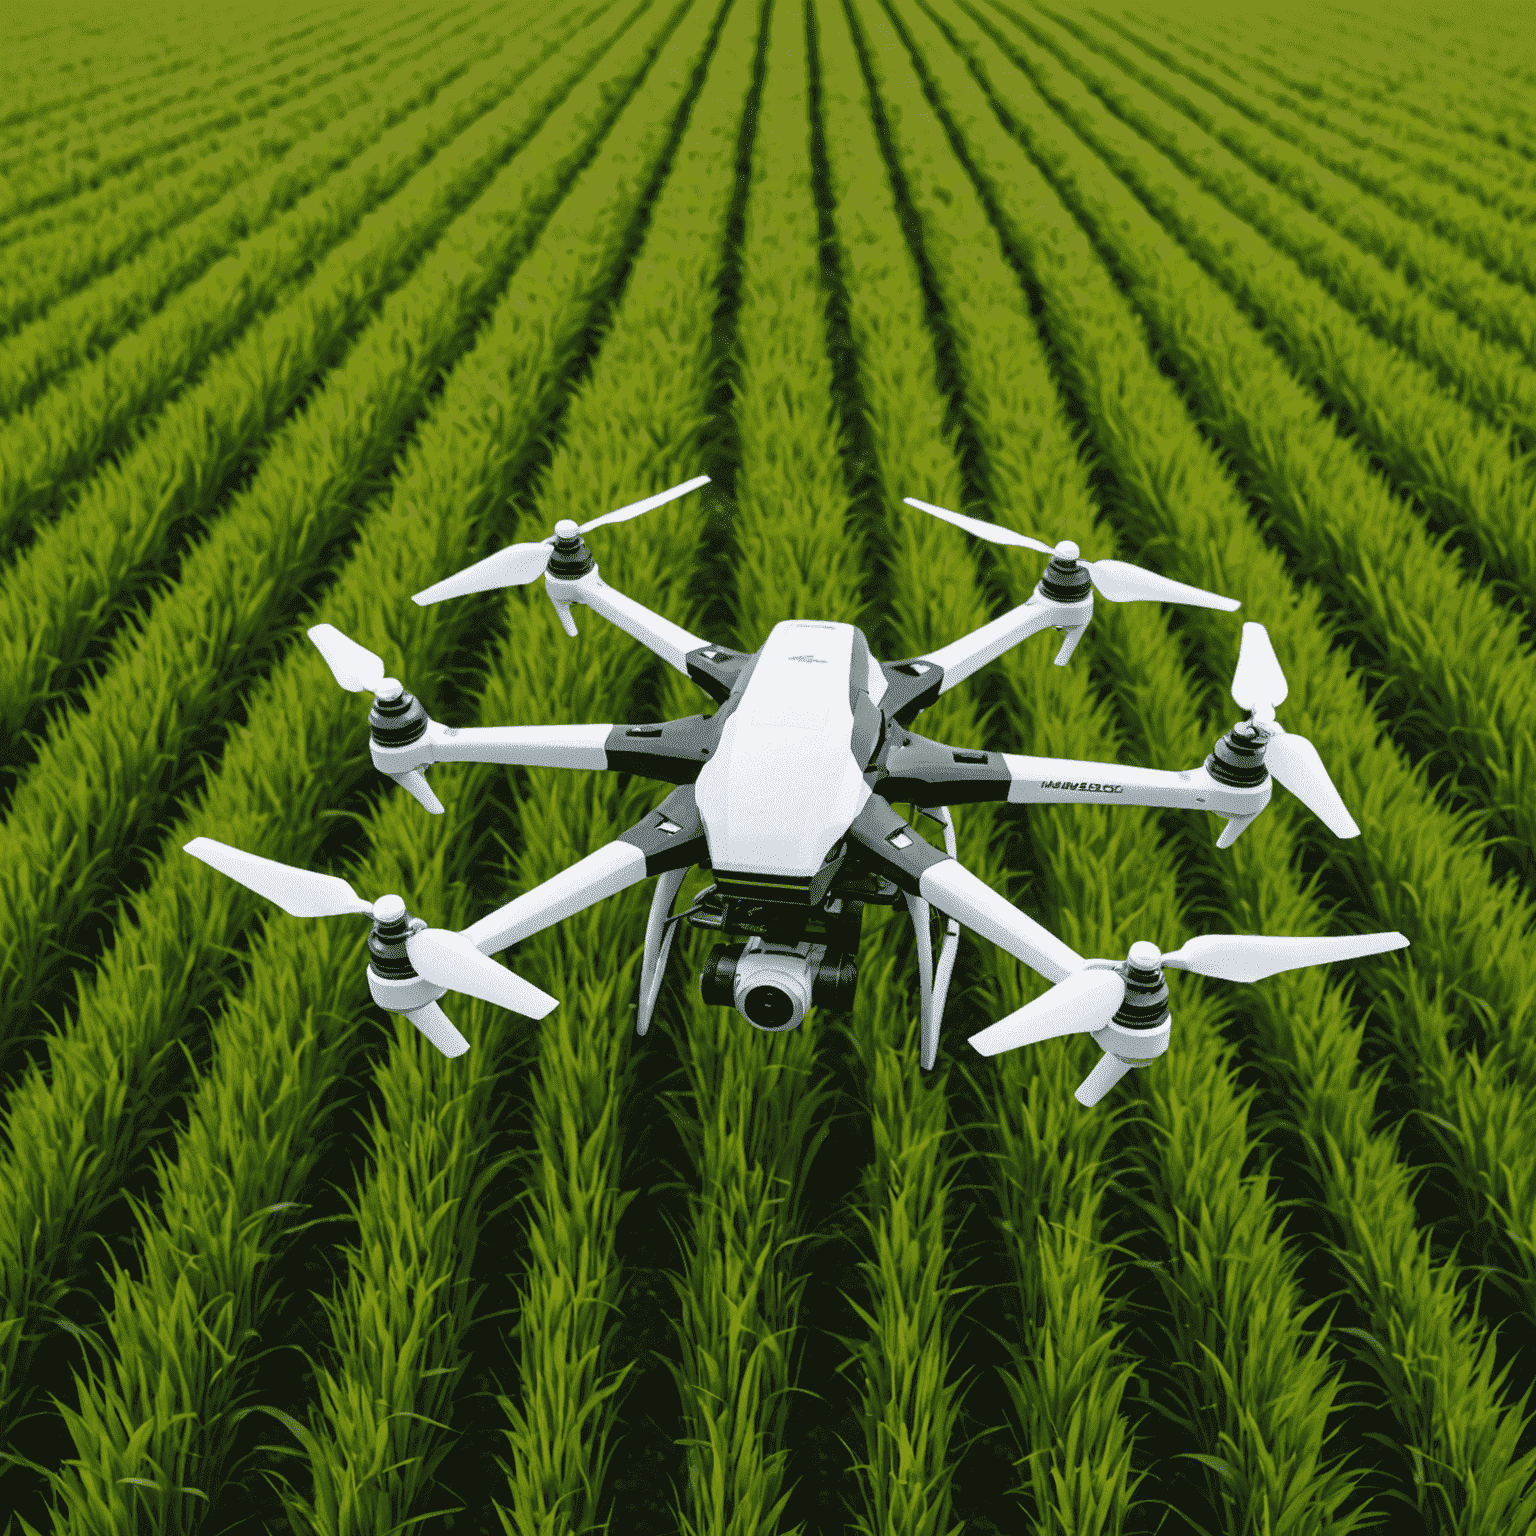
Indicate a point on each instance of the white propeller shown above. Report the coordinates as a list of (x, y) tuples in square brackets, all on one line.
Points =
[(444, 958), (356, 669), (518, 564), (359, 671), (1086, 1001), (1259, 686), (1114, 579)]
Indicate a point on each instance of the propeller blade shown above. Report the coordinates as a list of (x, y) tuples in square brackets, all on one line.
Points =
[(1258, 681), (299, 892), (514, 566), (1295, 762), (624, 514), (1122, 583), (1098, 1082), (1252, 957), (1084, 1002), (435, 1025), (989, 531), (450, 960), (356, 669)]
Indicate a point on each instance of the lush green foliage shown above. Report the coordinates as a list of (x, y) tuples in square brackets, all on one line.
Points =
[(301, 310)]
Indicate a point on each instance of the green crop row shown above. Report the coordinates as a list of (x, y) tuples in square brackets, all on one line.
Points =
[(1228, 1263), (36, 179), (1459, 673), (64, 435), (1460, 219), (129, 514), (1467, 476), (428, 1166), (1383, 65), (111, 195), (1442, 1394), (1425, 77), (1494, 176), (1456, 281), (132, 85), (52, 264), (50, 1200), (1390, 295), (130, 91), (142, 295)]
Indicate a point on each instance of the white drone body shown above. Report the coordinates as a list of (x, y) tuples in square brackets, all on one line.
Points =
[(786, 793)]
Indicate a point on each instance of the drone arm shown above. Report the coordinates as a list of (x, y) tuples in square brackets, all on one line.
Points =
[(668, 640), (919, 869), (673, 750), (926, 773), (1070, 781), (671, 837), (537, 746), (960, 658)]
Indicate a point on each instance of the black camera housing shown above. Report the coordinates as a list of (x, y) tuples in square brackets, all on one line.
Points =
[(833, 988)]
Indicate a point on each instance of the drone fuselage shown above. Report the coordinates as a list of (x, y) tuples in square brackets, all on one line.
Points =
[(789, 773)]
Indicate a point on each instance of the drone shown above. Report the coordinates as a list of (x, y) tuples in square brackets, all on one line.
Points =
[(786, 794)]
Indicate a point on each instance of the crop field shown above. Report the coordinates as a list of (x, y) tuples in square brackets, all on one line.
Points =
[(304, 308)]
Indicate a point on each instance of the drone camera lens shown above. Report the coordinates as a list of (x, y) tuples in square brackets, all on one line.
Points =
[(768, 1007)]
